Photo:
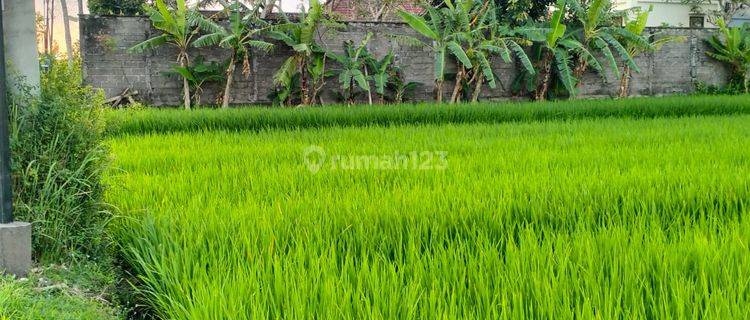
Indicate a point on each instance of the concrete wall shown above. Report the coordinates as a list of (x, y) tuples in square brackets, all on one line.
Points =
[(107, 65)]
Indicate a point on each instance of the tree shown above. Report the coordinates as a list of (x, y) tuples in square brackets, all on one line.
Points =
[(178, 26), (637, 26), (598, 35), (554, 45), (482, 37), (732, 46), (66, 25), (240, 36), (382, 73), (442, 36), (521, 12), (308, 57), (471, 33), (118, 7), (353, 71)]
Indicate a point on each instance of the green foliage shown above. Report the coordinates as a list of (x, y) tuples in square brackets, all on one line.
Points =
[(308, 58), (521, 12), (116, 7), (353, 68), (654, 42), (702, 88), (58, 159), (470, 33), (576, 218), (179, 25), (240, 36), (152, 121), (389, 80), (82, 291), (199, 73), (598, 36), (554, 43), (732, 47)]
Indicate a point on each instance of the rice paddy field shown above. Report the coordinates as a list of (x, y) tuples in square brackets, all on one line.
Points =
[(555, 216)]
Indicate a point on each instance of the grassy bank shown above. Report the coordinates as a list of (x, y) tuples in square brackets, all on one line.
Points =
[(253, 119), (81, 291), (606, 218)]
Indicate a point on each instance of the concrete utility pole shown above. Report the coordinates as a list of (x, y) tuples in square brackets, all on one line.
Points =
[(20, 33), (15, 237)]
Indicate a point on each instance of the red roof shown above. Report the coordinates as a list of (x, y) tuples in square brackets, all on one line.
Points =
[(346, 10)]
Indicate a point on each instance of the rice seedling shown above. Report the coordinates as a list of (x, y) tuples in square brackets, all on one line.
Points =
[(254, 119), (588, 218)]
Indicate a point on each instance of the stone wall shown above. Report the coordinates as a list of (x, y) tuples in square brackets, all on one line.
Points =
[(107, 64)]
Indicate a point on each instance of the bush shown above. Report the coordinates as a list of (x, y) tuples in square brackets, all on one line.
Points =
[(57, 161), (117, 7), (703, 88)]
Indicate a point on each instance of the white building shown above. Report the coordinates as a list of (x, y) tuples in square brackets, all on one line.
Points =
[(676, 13)]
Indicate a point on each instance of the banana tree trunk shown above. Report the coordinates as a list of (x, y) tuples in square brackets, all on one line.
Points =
[(545, 77), (457, 87), (625, 82), (439, 91), (304, 90), (228, 86), (580, 69), (477, 78), (369, 91), (185, 85)]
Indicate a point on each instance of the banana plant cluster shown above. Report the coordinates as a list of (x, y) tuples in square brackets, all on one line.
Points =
[(240, 36), (467, 32), (179, 27), (184, 27), (307, 64), (361, 72), (470, 33), (732, 47)]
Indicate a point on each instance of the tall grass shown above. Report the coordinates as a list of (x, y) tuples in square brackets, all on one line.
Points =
[(58, 157), (607, 218), (253, 119)]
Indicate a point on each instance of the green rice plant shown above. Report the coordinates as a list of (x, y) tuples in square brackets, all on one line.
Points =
[(254, 119), (587, 218)]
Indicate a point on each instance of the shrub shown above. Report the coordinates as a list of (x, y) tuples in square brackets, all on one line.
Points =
[(732, 47), (57, 160), (117, 7)]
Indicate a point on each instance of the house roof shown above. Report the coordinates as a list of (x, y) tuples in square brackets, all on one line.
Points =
[(348, 11)]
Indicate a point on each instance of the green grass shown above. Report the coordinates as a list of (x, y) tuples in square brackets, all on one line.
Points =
[(253, 119), (82, 291), (590, 218)]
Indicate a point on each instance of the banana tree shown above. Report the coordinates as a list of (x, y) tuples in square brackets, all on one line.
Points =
[(483, 37), (382, 71), (732, 46), (597, 35), (178, 26), (635, 48), (240, 36), (307, 54), (442, 36), (555, 44), (353, 73)]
